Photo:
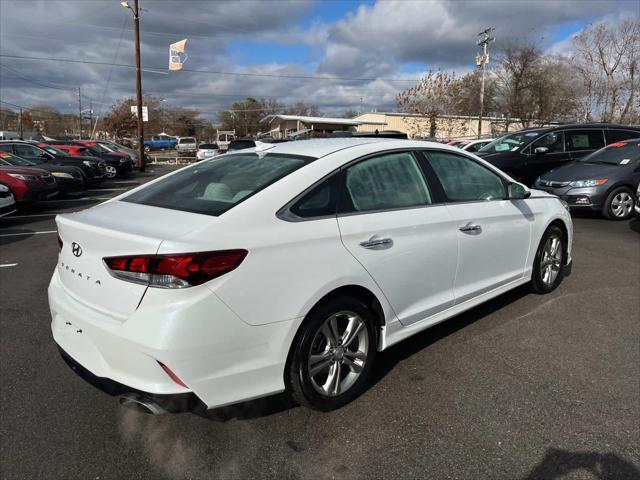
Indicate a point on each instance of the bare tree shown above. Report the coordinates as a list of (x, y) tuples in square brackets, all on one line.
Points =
[(607, 59), (431, 98), (515, 77)]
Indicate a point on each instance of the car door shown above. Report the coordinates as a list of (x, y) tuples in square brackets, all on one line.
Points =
[(392, 223), (493, 233), (546, 153), (581, 142)]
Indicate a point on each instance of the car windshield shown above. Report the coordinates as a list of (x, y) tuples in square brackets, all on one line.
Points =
[(9, 159), (619, 153), (96, 152), (510, 142), (53, 150), (214, 186), (99, 148)]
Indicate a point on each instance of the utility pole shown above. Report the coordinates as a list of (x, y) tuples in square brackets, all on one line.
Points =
[(136, 28), (91, 119), (20, 119), (484, 38), (80, 113)]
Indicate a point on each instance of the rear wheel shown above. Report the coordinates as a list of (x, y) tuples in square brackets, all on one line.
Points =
[(619, 204), (333, 354), (548, 264)]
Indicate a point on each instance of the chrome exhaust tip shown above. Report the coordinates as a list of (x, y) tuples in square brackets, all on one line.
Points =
[(141, 404)]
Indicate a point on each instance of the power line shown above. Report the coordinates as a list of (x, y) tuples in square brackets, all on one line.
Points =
[(21, 76), (216, 72)]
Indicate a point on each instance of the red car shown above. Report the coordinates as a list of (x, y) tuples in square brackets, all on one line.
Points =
[(28, 184)]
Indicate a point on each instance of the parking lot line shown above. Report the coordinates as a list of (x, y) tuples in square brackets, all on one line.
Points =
[(26, 233), (8, 265)]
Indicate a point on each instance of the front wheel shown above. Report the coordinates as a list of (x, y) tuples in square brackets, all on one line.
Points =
[(333, 354), (619, 204), (111, 171), (548, 265)]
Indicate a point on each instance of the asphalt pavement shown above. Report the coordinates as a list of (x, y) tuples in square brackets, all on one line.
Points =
[(522, 387)]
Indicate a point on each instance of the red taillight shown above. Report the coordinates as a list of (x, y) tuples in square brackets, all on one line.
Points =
[(173, 376), (60, 242), (175, 270)]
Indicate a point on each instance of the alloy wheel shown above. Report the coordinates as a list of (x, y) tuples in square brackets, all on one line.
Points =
[(622, 204), (338, 353), (111, 171), (551, 262)]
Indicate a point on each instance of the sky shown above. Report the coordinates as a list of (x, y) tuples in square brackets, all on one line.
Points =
[(338, 55)]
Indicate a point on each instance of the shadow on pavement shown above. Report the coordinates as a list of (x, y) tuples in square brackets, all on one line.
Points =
[(634, 224), (601, 466)]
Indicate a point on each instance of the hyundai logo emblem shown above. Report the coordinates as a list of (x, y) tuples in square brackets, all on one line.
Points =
[(76, 249)]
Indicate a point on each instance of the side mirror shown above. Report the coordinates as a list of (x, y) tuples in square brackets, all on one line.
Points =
[(517, 191), (540, 150)]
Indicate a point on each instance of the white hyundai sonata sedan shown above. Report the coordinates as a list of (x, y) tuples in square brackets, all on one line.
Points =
[(287, 268)]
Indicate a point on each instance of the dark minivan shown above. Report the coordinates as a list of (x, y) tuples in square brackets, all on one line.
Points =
[(527, 154)]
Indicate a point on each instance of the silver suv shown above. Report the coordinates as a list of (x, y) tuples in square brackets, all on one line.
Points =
[(187, 145)]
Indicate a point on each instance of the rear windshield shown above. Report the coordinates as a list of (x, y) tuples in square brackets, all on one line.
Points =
[(187, 140), (208, 146), (241, 144), (214, 186), (619, 153)]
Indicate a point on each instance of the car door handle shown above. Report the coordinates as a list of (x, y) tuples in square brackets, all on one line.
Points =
[(470, 227), (377, 243)]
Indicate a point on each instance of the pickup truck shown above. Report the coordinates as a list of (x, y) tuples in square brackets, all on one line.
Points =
[(160, 142)]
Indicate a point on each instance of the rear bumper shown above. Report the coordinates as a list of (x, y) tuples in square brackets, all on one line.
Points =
[(174, 403), (221, 359)]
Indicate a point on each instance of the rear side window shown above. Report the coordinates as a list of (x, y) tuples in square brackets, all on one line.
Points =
[(619, 135), (584, 140), (388, 181), (465, 180), (320, 201), (217, 185), (187, 140)]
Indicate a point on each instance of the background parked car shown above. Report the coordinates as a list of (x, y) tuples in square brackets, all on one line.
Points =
[(206, 150), (242, 144), (28, 184), (603, 181), (187, 145), (69, 179), (160, 142), (115, 163), (474, 145), (91, 167), (7, 201), (115, 147), (527, 154)]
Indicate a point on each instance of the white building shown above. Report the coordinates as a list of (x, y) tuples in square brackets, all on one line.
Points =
[(288, 126)]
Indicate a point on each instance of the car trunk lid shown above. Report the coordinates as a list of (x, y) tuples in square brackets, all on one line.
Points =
[(113, 229)]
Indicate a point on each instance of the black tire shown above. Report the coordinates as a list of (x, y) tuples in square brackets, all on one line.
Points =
[(300, 384), (608, 209), (538, 283)]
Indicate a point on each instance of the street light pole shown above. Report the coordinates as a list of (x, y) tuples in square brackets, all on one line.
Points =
[(136, 28), (136, 25), (481, 61)]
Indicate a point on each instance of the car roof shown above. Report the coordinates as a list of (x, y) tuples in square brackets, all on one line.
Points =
[(320, 147)]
